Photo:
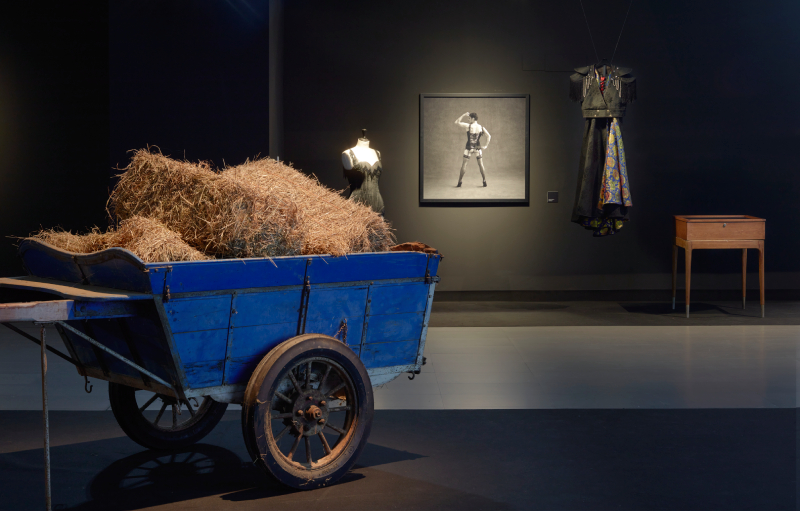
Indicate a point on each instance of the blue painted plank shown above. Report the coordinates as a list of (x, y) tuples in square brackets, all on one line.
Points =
[(239, 370), (115, 267), (355, 267), (394, 327), (109, 334), (336, 303), (117, 273), (433, 265), (83, 350), (204, 374), (267, 308), (200, 313), (387, 354), (145, 335), (148, 335), (148, 325), (107, 309), (258, 340), (48, 262), (251, 344), (398, 298), (201, 346), (222, 274), (155, 355), (331, 326)]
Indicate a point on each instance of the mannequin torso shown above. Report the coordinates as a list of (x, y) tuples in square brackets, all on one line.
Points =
[(362, 168), (362, 151)]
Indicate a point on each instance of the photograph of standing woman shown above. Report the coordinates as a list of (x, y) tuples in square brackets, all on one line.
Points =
[(465, 162), (474, 132)]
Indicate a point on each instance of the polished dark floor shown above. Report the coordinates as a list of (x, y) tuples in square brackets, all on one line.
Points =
[(611, 313), (705, 460), (622, 405)]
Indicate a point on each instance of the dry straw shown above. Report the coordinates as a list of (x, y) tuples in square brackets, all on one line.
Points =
[(149, 239), (75, 243), (257, 209)]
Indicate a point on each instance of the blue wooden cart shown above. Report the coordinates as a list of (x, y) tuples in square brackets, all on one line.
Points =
[(298, 341)]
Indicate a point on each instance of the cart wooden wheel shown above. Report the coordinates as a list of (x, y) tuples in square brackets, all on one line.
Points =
[(311, 391), (159, 422)]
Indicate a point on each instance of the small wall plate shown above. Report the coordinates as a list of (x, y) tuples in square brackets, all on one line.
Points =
[(552, 197)]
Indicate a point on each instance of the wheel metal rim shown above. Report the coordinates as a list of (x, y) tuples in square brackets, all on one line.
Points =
[(302, 399)]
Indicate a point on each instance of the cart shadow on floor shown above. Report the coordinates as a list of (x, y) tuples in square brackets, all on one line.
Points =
[(155, 478)]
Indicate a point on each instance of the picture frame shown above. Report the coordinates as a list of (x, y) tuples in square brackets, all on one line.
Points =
[(453, 149)]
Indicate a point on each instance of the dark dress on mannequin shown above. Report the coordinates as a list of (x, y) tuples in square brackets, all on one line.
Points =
[(363, 179), (603, 196)]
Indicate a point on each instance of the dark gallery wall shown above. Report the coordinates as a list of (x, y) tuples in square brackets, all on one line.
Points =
[(83, 83), (54, 119), (190, 77), (714, 129)]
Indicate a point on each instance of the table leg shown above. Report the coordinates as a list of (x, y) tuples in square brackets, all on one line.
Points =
[(744, 276), (688, 251), (761, 274), (674, 273)]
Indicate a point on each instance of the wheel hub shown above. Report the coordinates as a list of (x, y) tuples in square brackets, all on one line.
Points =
[(311, 412)]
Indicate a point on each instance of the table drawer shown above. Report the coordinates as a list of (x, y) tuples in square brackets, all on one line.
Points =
[(732, 227)]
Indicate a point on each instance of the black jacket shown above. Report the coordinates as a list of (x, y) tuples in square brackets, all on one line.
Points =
[(619, 91)]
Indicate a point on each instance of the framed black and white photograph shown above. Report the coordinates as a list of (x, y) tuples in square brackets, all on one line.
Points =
[(474, 148)]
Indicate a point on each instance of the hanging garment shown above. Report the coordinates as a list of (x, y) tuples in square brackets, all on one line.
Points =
[(603, 193), (363, 178)]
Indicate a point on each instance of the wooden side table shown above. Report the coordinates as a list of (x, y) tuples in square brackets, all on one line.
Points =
[(693, 232)]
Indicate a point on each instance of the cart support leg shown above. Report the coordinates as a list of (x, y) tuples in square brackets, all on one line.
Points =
[(46, 424)]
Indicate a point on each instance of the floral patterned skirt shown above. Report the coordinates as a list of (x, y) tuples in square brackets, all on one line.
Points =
[(603, 195)]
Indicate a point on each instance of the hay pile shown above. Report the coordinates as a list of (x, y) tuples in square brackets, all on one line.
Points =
[(170, 210), (261, 208), (149, 239), (326, 222)]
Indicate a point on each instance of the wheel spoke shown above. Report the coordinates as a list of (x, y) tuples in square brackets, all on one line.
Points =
[(160, 413), (282, 415), (174, 417), (335, 428), (296, 442), (294, 382), (324, 441), (308, 450), (308, 375), (284, 397), (327, 372), (338, 387), (148, 403), (189, 406), (280, 435), (338, 408)]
